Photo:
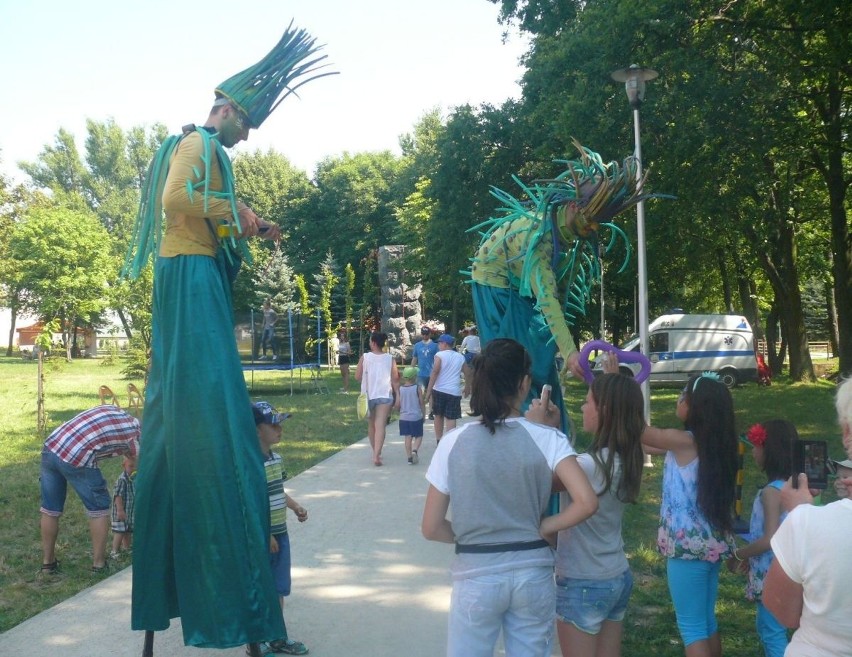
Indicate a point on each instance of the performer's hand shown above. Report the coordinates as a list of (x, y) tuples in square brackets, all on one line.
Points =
[(249, 222), (269, 231), (572, 364), (301, 513)]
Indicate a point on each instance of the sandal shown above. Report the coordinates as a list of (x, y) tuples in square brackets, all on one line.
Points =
[(288, 647), (50, 568), (100, 570)]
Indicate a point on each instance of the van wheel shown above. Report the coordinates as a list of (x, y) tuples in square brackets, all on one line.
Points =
[(728, 378), (626, 371)]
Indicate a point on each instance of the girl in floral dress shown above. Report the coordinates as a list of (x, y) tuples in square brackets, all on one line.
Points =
[(773, 452), (697, 510)]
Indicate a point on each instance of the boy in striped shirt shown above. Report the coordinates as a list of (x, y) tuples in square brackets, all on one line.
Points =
[(268, 422)]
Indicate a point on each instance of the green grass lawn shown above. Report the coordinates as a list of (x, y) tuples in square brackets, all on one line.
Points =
[(322, 425)]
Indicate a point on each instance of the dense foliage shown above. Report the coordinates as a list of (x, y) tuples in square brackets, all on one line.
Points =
[(747, 126)]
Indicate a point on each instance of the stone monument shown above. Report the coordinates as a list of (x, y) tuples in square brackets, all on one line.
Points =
[(401, 308)]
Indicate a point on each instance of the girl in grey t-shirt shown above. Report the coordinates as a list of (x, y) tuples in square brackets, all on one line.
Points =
[(593, 578)]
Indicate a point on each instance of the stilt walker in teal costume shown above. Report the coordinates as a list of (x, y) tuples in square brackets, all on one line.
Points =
[(202, 541), (538, 260)]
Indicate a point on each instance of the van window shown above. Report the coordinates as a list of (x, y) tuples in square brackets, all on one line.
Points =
[(658, 342)]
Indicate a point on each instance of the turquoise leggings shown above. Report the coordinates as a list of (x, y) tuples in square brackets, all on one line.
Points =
[(694, 586)]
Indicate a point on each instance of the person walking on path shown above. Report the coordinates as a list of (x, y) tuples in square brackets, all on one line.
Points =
[(268, 422), (424, 359), (70, 455), (411, 412), (202, 538), (379, 378), (470, 348), (497, 473), (344, 357), (445, 389)]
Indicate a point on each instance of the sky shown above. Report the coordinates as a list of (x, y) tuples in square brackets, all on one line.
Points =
[(148, 61)]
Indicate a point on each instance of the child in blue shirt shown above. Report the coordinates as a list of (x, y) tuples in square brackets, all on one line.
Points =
[(411, 412)]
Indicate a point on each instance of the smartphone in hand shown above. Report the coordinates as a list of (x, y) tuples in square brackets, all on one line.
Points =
[(811, 457)]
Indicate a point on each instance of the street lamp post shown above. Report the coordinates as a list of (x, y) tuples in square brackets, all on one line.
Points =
[(634, 79)]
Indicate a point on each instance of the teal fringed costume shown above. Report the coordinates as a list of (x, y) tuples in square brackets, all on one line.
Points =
[(202, 521), (538, 259)]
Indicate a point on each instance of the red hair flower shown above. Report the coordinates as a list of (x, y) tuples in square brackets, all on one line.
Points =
[(756, 435)]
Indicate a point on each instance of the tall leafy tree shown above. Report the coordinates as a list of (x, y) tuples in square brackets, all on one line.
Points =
[(353, 211), (65, 264), (740, 176)]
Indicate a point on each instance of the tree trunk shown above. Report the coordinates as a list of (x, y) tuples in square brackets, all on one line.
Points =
[(13, 311), (40, 414), (831, 329), (832, 169), (727, 293), (124, 323), (776, 355), (783, 273)]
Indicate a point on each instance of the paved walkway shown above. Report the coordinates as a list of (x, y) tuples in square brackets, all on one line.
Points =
[(365, 582)]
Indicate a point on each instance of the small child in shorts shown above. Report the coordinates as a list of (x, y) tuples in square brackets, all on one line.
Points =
[(268, 422), (411, 413), (123, 496)]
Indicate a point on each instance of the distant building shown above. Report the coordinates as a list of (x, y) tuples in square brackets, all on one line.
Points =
[(28, 328)]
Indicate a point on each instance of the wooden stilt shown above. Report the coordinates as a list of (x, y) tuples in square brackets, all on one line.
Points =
[(254, 650), (148, 647)]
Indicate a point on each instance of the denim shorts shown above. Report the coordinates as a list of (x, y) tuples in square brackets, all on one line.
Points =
[(89, 484), (587, 603), (280, 562), (378, 401)]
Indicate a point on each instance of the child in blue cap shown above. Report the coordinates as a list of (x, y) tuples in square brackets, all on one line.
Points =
[(268, 422)]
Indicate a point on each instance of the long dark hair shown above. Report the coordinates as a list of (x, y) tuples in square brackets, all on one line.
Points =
[(621, 421), (379, 339), (498, 372), (781, 435), (710, 418)]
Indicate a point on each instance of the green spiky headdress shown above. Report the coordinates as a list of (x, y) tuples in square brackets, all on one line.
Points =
[(569, 211), (259, 89)]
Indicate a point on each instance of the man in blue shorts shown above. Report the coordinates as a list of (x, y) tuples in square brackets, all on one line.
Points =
[(70, 456)]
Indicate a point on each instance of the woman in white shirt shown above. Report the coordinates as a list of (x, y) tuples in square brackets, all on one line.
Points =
[(379, 378)]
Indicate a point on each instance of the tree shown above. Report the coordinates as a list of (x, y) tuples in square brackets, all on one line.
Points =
[(274, 280), (325, 284), (107, 184), (64, 263), (353, 210), (745, 195)]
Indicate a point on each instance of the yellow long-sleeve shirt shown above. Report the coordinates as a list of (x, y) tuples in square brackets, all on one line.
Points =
[(186, 231), (499, 263)]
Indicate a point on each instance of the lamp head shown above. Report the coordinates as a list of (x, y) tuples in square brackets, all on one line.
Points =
[(634, 79)]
